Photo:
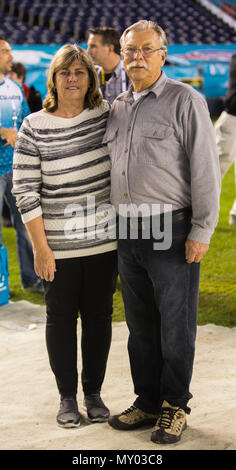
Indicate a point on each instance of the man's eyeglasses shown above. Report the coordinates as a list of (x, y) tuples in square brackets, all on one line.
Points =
[(145, 51)]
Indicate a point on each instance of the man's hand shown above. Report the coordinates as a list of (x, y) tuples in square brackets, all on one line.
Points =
[(194, 251), (9, 135)]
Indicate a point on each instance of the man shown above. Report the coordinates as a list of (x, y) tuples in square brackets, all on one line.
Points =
[(163, 152), (33, 98), (13, 109), (104, 48), (225, 132)]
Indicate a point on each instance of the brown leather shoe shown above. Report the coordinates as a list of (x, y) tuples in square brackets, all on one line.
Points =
[(132, 418), (170, 424)]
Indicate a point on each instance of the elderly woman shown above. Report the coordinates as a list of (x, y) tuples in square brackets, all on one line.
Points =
[(62, 184)]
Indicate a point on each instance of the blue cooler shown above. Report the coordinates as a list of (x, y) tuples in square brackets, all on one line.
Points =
[(4, 275)]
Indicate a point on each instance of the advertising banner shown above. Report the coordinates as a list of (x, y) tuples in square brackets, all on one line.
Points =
[(206, 67)]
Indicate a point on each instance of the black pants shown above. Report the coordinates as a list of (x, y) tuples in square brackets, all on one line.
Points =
[(86, 285)]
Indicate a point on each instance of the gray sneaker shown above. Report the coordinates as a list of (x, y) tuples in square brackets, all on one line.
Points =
[(96, 410), (68, 415), (232, 219)]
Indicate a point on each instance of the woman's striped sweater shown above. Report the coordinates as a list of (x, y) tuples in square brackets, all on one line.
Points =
[(61, 171)]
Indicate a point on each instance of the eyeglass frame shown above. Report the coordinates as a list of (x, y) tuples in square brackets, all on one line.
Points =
[(140, 49)]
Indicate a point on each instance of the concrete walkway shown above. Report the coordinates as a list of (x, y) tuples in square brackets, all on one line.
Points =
[(29, 400)]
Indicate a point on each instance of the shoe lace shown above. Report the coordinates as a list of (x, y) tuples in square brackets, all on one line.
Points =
[(129, 410), (166, 417)]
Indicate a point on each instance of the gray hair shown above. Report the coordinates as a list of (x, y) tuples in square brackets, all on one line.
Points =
[(143, 25)]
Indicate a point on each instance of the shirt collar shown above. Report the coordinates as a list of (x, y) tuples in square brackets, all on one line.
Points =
[(156, 88)]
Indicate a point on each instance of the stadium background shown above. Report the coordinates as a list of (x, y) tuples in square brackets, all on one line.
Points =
[(201, 35)]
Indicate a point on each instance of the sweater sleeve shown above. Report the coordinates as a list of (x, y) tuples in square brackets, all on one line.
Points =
[(27, 174)]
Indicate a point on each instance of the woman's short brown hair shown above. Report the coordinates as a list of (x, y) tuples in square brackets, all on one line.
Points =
[(63, 58)]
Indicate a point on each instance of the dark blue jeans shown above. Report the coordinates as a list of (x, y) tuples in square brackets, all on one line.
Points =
[(23, 243), (160, 292)]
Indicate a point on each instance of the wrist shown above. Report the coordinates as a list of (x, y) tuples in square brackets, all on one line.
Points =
[(40, 247)]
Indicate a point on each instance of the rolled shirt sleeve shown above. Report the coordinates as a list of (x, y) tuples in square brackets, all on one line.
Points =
[(205, 180)]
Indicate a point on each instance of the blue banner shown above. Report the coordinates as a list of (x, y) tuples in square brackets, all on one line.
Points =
[(203, 66)]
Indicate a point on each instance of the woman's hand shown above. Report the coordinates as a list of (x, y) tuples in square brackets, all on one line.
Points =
[(44, 263), (44, 260)]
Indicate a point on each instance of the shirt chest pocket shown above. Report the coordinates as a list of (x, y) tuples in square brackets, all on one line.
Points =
[(110, 139), (156, 145)]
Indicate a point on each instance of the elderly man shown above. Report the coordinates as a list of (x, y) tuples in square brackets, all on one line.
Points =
[(104, 48), (163, 152)]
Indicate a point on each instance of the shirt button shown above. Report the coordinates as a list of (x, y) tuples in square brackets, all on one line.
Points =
[(126, 194), (129, 128), (123, 173), (126, 150)]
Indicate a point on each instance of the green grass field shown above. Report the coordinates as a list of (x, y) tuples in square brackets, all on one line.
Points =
[(217, 301)]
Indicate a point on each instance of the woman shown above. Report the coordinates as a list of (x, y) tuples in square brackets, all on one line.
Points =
[(62, 182)]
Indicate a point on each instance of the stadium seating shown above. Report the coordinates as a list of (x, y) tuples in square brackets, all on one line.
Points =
[(45, 21)]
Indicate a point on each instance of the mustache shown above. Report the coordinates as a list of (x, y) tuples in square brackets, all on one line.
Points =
[(136, 63)]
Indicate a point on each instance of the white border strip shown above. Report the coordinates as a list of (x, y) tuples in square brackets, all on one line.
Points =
[(218, 12)]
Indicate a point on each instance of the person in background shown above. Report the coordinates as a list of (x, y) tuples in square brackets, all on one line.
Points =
[(62, 185), (6, 215), (104, 48), (13, 109), (33, 98), (164, 159), (225, 128)]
